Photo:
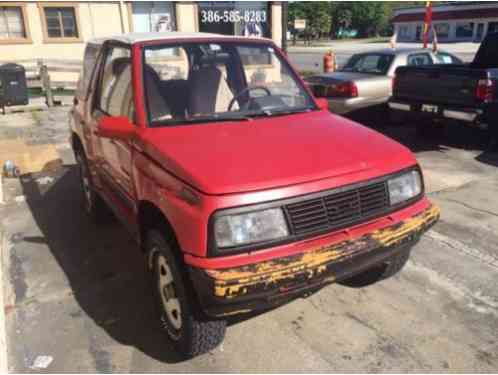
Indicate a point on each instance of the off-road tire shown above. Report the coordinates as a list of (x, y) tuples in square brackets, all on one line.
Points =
[(378, 273), (93, 204), (198, 334)]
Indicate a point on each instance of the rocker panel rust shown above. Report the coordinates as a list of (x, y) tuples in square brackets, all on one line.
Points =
[(235, 282)]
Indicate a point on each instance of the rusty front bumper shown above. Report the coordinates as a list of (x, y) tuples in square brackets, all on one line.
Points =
[(261, 285)]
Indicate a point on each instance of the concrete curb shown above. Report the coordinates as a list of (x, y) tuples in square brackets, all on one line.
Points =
[(3, 335)]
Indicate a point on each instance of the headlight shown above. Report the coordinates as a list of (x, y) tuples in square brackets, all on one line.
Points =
[(404, 187), (242, 229)]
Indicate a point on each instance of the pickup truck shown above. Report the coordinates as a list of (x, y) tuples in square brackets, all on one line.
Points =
[(460, 93), (242, 190)]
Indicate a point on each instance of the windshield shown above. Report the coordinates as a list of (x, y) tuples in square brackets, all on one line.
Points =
[(193, 82), (374, 63)]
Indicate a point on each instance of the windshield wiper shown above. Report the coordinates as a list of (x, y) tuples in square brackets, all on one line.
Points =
[(270, 113), (204, 119)]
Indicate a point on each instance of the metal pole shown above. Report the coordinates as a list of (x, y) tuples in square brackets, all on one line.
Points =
[(285, 23)]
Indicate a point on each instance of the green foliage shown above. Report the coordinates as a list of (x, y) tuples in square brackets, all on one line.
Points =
[(369, 18), (316, 14)]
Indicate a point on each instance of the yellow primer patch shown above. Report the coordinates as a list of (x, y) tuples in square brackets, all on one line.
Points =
[(234, 282)]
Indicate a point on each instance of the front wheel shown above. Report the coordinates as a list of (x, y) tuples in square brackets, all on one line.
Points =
[(94, 206), (380, 272), (189, 332)]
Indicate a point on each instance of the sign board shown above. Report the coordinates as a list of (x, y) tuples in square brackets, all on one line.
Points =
[(300, 24)]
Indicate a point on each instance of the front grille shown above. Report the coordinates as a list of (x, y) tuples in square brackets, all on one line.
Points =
[(338, 209)]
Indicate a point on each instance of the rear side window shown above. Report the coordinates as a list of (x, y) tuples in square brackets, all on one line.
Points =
[(91, 54), (446, 58), (116, 94), (419, 59), (373, 63)]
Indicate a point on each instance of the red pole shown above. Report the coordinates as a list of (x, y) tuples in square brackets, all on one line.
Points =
[(427, 23)]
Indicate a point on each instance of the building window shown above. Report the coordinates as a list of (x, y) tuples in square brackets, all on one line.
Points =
[(235, 18), (13, 26), (152, 16), (60, 23), (465, 30), (404, 32), (492, 27), (442, 30)]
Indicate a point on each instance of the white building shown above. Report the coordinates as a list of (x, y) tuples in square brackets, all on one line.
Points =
[(453, 22)]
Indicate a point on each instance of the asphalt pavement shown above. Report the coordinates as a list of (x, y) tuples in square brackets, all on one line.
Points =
[(78, 298)]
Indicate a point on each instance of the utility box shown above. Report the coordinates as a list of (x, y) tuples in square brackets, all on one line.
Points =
[(13, 87)]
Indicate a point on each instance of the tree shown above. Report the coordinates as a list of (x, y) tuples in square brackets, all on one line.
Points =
[(368, 17), (316, 14), (341, 17)]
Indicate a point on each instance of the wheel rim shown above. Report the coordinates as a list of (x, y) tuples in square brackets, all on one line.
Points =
[(85, 184), (166, 285)]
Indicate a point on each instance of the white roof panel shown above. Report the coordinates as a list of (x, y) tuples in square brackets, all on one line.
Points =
[(132, 38)]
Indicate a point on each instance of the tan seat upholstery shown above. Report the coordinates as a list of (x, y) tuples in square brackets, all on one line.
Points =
[(209, 91), (120, 98), (158, 109), (117, 93)]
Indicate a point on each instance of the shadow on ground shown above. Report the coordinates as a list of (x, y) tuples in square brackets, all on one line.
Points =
[(105, 270), (103, 265), (451, 135)]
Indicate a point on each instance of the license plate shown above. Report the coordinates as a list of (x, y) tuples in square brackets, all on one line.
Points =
[(429, 108)]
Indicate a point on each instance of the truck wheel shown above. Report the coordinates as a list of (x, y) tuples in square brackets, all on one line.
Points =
[(189, 332), (94, 206), (378, 273)]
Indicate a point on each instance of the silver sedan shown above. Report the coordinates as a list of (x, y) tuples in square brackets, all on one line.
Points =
[(366, 79)]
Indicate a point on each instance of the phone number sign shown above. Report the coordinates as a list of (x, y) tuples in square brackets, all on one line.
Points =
[(233, 16)]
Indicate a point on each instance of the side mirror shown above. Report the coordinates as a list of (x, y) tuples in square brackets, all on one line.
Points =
[(322, 103), (116, 128)]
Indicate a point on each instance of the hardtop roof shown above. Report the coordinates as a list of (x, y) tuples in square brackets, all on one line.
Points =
[(132, 38)]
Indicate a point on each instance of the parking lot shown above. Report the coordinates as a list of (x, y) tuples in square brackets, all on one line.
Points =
[(78, 292)]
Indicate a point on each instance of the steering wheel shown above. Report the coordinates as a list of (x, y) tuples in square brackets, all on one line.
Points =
[(246, 90)]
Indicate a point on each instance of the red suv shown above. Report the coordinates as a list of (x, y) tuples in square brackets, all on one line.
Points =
[(240, 187)]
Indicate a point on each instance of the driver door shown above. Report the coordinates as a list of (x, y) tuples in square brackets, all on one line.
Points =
[(115, 98)]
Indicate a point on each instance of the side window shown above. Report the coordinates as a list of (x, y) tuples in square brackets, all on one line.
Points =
[(419, 59), (116, 93), (446, 58), (166, 74), (89, 62)]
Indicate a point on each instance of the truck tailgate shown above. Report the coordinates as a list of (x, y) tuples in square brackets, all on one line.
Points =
[(445, 84)]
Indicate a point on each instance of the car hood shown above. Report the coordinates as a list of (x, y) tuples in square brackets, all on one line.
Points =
[(265, 153)]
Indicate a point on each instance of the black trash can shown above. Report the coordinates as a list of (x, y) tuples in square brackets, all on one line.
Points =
[(13, 90)]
